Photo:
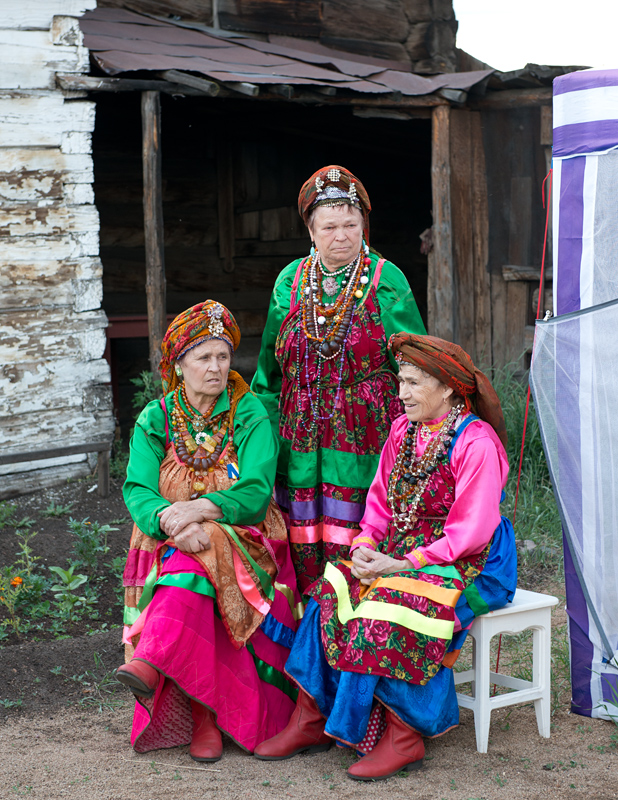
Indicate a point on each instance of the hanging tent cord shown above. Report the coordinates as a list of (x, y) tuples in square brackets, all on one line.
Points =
[(538, 316)]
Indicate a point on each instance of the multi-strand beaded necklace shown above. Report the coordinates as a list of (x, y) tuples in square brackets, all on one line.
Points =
[(200, 451), (410, 475), (325, 319)]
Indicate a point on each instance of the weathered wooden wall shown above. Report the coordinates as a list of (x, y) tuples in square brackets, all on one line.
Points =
[(420, 33), (487, 173), (231, 175), (52, 337)]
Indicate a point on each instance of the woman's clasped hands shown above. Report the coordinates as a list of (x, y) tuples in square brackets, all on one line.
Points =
[(181, 521), (368, 565)]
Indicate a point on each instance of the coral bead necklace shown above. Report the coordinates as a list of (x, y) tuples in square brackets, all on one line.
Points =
[(199, 451)]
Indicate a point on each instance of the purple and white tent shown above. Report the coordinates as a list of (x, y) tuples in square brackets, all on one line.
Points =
[(574, 376)]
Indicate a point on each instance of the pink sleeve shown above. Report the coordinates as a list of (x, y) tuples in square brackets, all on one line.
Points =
[(480, 470), (377, 514)]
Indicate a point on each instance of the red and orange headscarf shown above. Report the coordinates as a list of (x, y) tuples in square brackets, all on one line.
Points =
[(334, 185), (452, 366), (207, 320)]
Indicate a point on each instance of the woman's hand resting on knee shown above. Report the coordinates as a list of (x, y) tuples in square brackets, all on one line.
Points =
[(192, 539)]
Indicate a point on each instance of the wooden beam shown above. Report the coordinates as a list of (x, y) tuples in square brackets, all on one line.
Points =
[(55, 452), (88, 83), (204, 86), (440, 283), (511, 98), (153, 225), (249, 89), (510, 272), (103, 473)]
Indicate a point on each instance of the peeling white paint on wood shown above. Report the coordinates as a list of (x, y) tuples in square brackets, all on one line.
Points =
[(29, 15), (53, 379)]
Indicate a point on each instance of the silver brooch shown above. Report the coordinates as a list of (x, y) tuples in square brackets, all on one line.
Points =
[(333, 175), (215, 326), (352, 193), (319, 183)]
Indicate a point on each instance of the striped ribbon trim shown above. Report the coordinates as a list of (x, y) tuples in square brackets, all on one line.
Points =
[(384, 612), (475, 601), (262, 575), (438, 594), (268, 674)]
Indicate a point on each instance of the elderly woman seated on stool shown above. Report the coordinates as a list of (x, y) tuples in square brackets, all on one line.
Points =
[(374, 653)]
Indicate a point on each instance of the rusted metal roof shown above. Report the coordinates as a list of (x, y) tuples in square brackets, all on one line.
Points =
[(122, 41)]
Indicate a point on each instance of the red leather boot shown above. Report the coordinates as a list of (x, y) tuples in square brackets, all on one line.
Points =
[(399, 748), (139, 677), (304, 732), (206, 744)]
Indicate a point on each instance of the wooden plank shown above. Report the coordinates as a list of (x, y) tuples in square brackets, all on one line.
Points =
[(56, 452), (89, 83), (517, 303), (198, 10), (373, 20), (103, 472), (30, 59), (547, 126), (153, 225), (225, 205), (39, 478), (512, 273), (440, 283), (511, 98), (206, 87), (80, 334), (30, 219), (498, 321), (480, 245), (462, 222), (299, 18), (32, 14)]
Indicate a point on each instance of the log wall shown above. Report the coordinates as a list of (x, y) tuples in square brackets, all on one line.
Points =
[(53, 379)]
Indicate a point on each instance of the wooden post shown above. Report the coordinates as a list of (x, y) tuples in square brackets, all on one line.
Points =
[(225, 199), (153, 225), (440, 282), (103, 473)]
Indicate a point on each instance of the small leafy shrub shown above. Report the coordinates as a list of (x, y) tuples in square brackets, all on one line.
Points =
[(91, 542), (69, 605), (56, 510), (148, 389), (11, 586), (7, 512)]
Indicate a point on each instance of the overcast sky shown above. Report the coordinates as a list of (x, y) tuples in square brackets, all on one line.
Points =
[(509, 34)]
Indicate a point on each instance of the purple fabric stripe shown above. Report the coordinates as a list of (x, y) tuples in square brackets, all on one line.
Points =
[(570, 235), (609, 683), (585, 137), (138, 566), (576, 81), (582, 650), (304, 510)]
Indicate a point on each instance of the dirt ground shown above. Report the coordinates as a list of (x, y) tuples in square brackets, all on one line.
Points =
[(64, 727)]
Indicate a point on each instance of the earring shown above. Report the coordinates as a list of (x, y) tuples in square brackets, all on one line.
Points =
[(178, 370), (365, 247), (312, 251)]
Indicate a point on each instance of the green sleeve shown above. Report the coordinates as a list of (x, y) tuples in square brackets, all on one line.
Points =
[(246, 501), (266, 382), (146, 452), (398, 308)]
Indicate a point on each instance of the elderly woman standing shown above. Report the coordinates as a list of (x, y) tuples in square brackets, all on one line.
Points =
[(211, 591), (324, 372), (374, 652)]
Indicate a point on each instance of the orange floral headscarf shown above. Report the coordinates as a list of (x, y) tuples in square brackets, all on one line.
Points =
[(334, 185), (207, 320), (452, 366)]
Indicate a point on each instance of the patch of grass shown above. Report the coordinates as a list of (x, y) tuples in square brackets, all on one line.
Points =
[(7, 514), (11, 703), (99, 687)]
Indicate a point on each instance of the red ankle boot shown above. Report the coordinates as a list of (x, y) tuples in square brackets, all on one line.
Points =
[(139, 677), (206, 744), (304, 732), (399, 748)]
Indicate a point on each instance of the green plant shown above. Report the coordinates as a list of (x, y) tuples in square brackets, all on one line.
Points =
[(26, 559), (89, 546), (148, 389), (119, 460), (11, 586), (54, 510), (68, 603), (11, 703), (99, 685), (7, 512)]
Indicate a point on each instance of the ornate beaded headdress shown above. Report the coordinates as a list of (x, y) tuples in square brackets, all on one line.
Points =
[(208, 320), (334, 186)]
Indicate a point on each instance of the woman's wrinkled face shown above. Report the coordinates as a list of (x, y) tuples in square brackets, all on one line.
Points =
[(205, 368), (337, 233), (424, 398)]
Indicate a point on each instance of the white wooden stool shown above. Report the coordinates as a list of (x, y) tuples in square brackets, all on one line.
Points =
[(528, 610)]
